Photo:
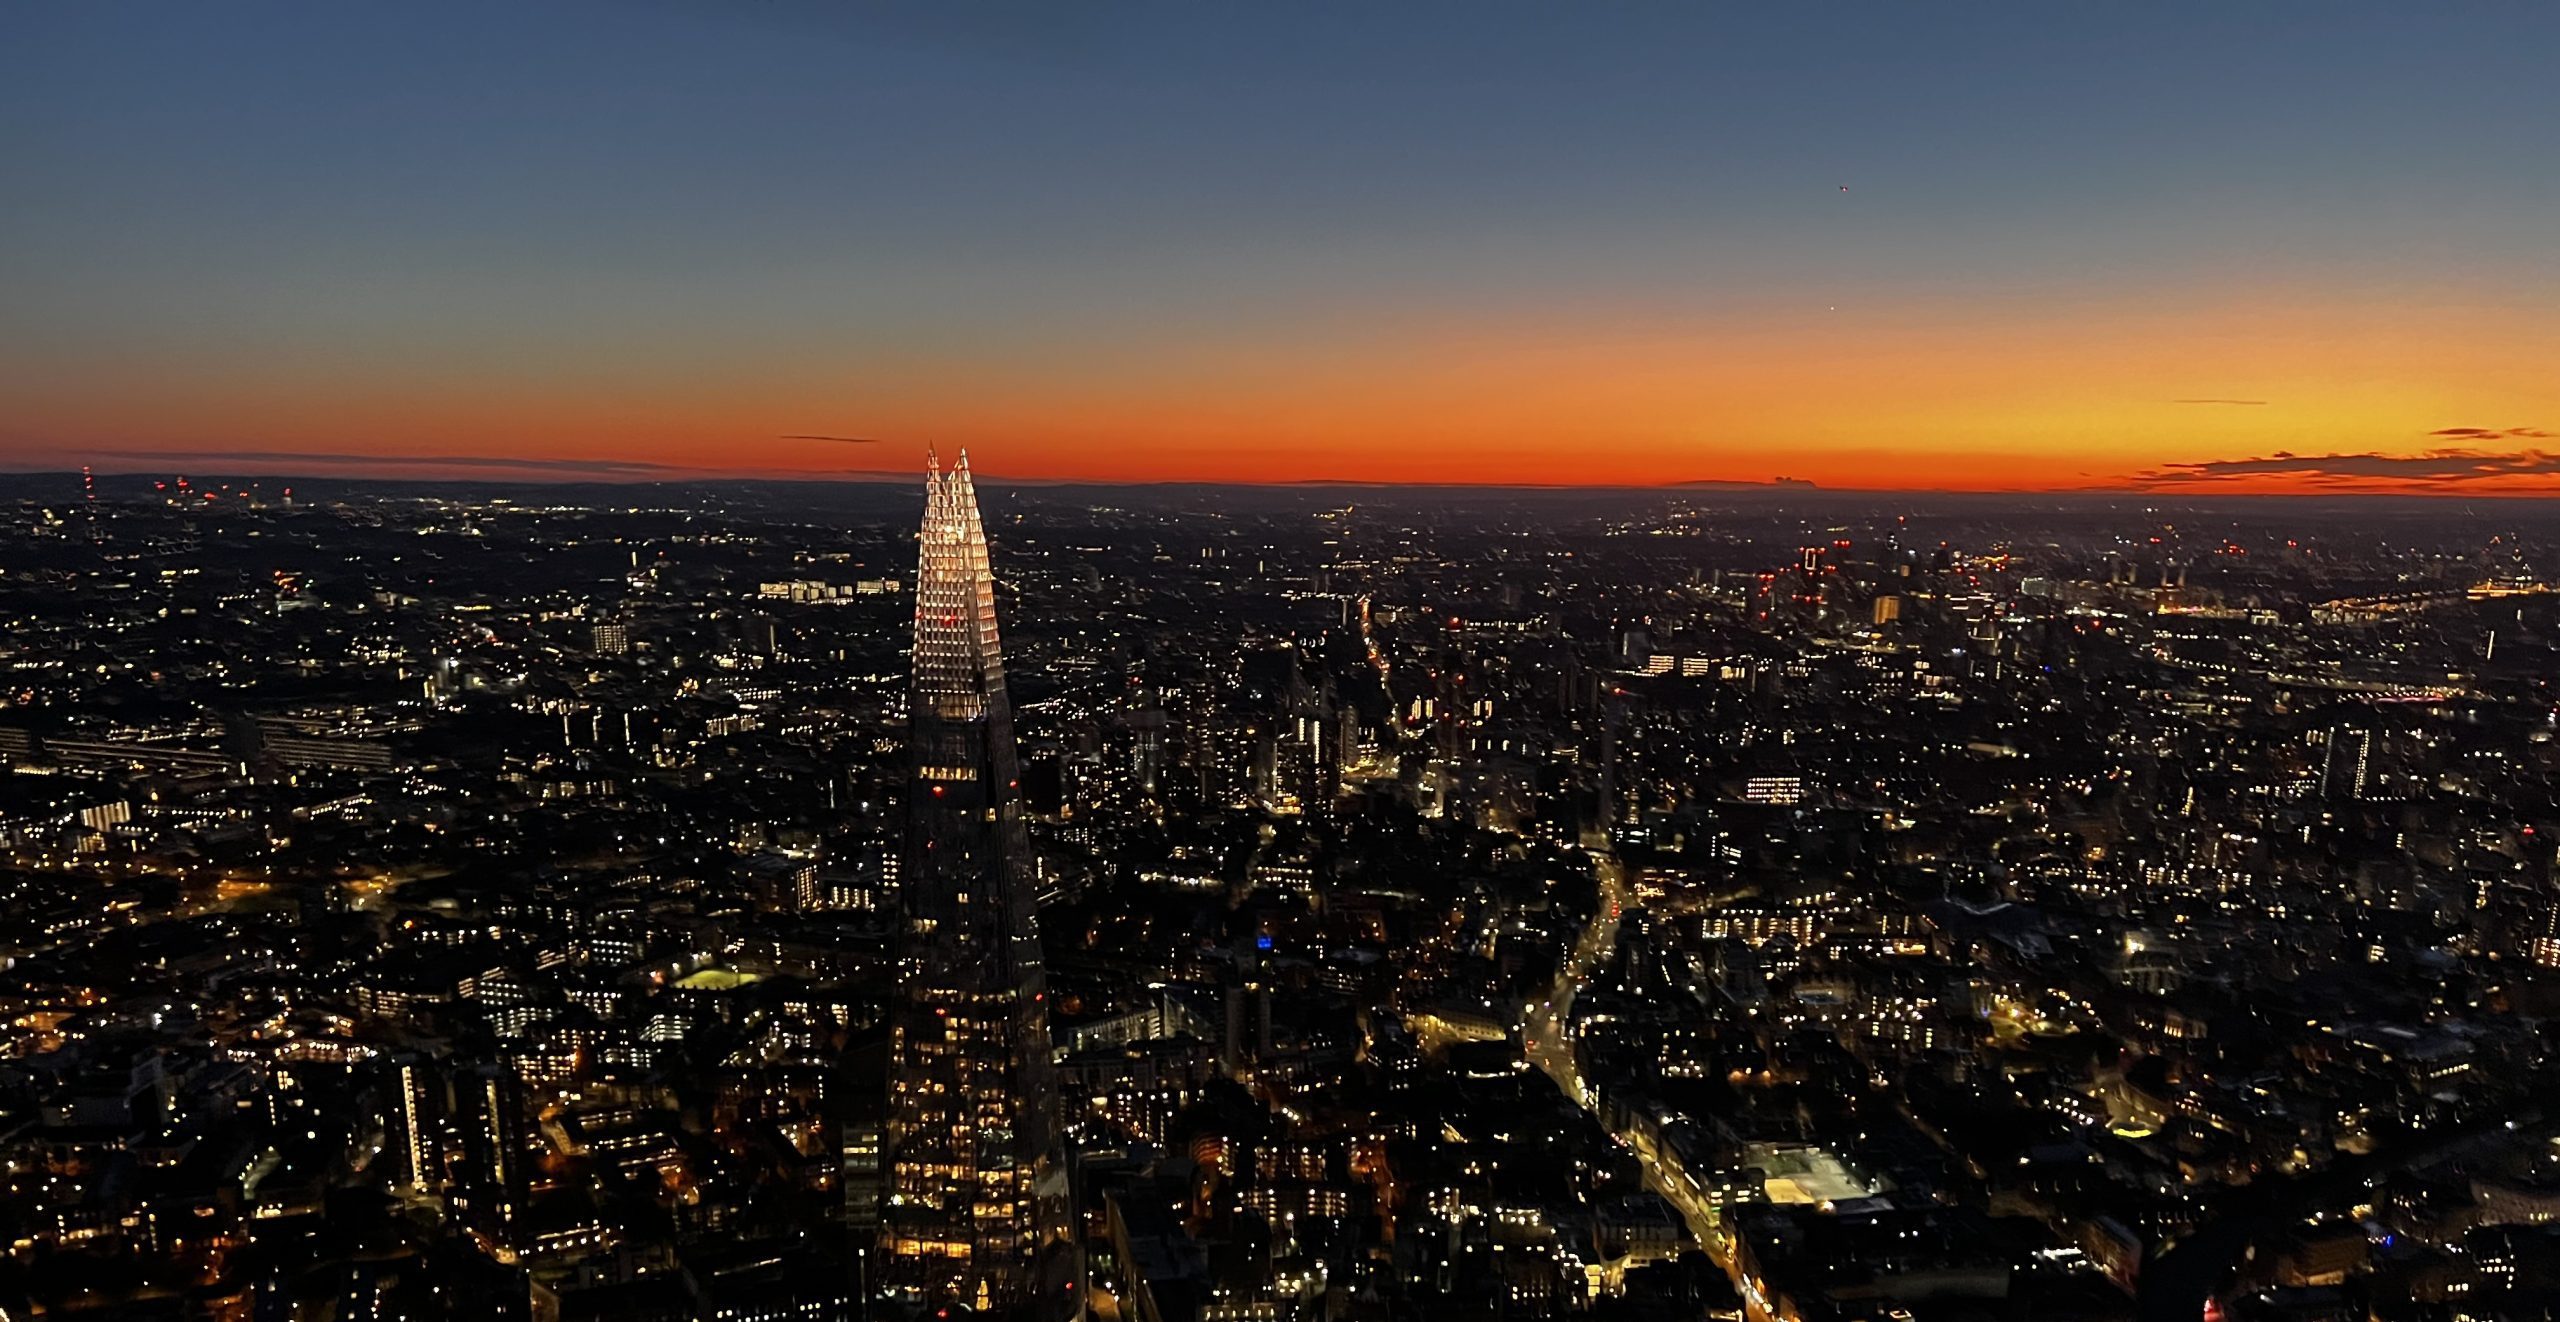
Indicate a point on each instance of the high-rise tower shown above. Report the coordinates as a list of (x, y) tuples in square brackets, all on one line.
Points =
[(975, 1190)]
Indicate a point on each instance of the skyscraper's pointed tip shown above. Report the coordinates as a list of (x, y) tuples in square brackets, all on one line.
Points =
[(963, 465), (932, 458)]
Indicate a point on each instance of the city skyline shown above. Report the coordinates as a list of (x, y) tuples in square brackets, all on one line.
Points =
[(1659, 662), (676, 904), (2272, 249)]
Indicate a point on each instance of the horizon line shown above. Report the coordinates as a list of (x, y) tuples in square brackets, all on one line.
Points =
[(885, 477)]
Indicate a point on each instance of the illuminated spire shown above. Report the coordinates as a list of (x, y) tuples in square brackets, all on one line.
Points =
[(959, 659), (975, 1182)]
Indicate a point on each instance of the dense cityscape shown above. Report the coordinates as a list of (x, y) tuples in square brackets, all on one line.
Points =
[(1288, 904)]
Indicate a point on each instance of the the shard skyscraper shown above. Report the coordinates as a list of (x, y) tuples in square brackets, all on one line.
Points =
[(975, 1190)]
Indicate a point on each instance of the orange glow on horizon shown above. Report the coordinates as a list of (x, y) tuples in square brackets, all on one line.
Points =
[(1894, 398)]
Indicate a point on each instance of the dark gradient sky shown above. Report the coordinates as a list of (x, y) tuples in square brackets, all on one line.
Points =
[(1429, 242)]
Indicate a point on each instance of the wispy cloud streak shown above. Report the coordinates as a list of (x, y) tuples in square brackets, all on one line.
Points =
[(2441, 468), (319, 459)]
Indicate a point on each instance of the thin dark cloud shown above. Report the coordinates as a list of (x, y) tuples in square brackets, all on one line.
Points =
[(2217, 401), (2442, 468), (2493, 433), (2432, 468), (840, 440), (571, 467)]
